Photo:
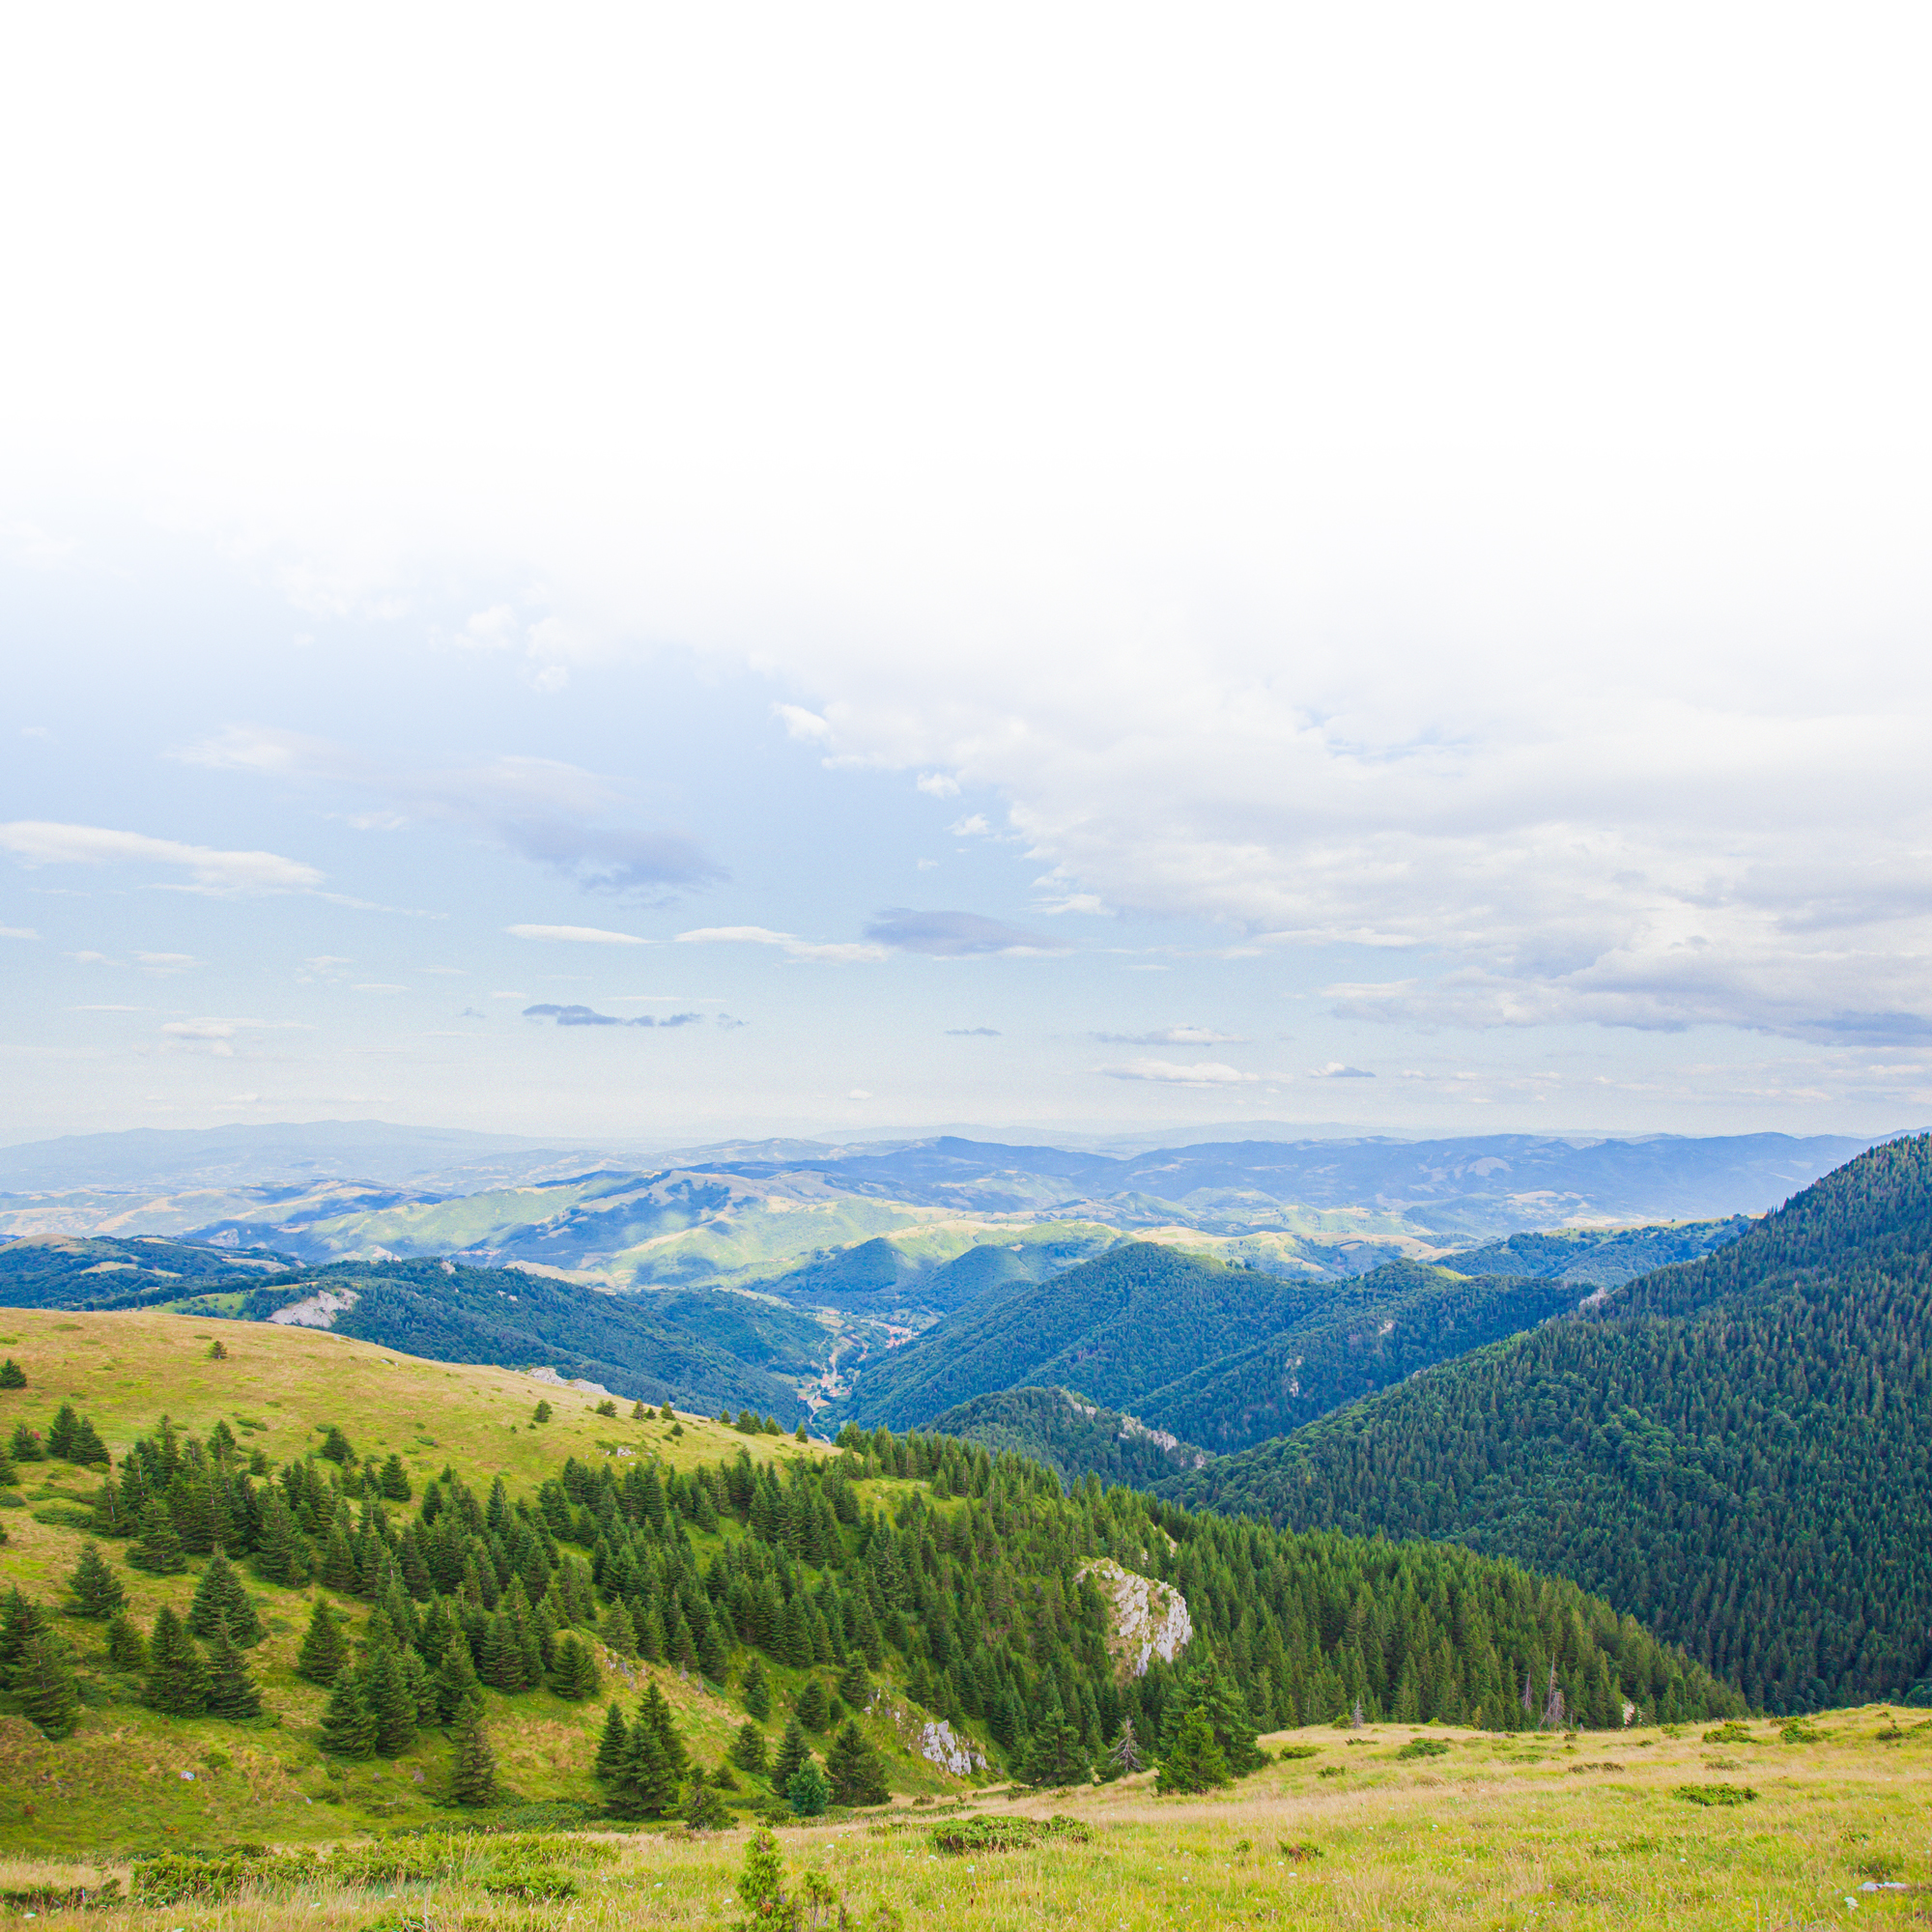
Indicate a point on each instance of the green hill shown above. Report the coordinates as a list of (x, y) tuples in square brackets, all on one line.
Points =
[(919, 1580), (73, 1271), (1599, 1257), (1218, 1355), (1737, 1450), (1071, 1436)]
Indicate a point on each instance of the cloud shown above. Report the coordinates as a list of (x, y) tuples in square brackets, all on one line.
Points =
[(1167, 1072), (792, 947), (954, 935), (1335, 1070), (936, 784), (109, 1009), (538, 809), (586, 1016), (217, 1036), (585, 935), (377, 986), (167, 962), (858, 1094), (472, 1014), (805, 726), (17, 933), (1178, 1036), (972, 1032), (210, 871), (974, 827)]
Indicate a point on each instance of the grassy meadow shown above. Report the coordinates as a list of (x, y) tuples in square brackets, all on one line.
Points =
[(1382, 1827)]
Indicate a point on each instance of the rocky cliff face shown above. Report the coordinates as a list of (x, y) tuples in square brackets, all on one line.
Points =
[(1147, 1618)]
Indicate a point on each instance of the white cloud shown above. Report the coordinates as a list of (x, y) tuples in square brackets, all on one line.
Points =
[(974, 827), (588, 936), (936, 784), (378, 987), (858, 1094), (803, 724), (1175, 1036), (1170, 1073), (37, 843), (217, 1036), (167, 962), (789, 944), (17, 933), (1335, 1069)]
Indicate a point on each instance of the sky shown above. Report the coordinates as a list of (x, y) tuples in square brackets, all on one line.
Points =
[(680, 572)]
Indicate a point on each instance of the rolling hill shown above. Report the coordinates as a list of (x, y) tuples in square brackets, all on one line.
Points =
[(1738, 1450), (493, 1562), (1072, 1437)]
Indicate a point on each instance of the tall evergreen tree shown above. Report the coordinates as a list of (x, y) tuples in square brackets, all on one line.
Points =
[(221, 1599), (158, 1549), (473, 1778), (325, 1650), (44, 1681), (391, 1703), (748, 1749), (1055, 1755), (611, 1746), (231, 1690), (96, 1590), (1192, 1761), (455, 1684), (645, 1786), (573, 1673), (11, 1375), (281, 1553), (808, 1790), (348, 1725), (814, 1712), (126, 1648), (853, 1766), (177, 1671), (757, 1690), (21, 1620), (793, 1750)]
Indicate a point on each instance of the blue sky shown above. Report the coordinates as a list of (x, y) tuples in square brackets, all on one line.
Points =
[(1246, 567)]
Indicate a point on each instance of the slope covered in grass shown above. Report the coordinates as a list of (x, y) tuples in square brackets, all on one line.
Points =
[(956, 1586), (1737, 1450)]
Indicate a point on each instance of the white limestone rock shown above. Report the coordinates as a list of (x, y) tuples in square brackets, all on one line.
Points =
[(939, 1744), (1147, 1618)]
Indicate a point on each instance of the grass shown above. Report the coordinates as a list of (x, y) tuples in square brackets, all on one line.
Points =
[(1480, 1838), (1343, 1830)]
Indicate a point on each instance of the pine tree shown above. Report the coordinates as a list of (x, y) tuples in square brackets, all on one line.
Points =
[(757, 1690), (220, 1598), (25, 1445), (177, 1671), (808, 1790), (853, 1766), (11, 1375), (387, 1687), (96, 1588), (474, 1779), (338, 1570), (854, 1685), (43, 1682), (60, 1431), (348, 1725), (573, 1674), (1193, 1761), (455, 1685), (611, 1747), (394, 1482), (1124, 1755), (325, 1650), (645, 1786), (281, 1553), (814, 1711), (1056, 1754), (21, 1620), (335, 1446), (748, 1749), (158, 1547), (231, 1691), (654, 1714), (126, 1648), (761, 1885), (793, 1750)]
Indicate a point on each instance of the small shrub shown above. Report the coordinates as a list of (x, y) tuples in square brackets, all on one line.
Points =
[(1729, 1732), (1424, 1747), (1331, 1771), (1715, 1794), (1297, 1853), (1798, 1732), (1005, 1833), (1289, 1752), (527, 1879)]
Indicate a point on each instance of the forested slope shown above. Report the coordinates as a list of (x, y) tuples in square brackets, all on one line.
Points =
[(779, 1573), (1072, 1438), (1738, 1450), (1218, 1355)]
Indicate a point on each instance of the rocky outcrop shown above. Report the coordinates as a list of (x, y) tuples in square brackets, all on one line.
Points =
[(318, 1310), (941, 1744), (1145, 1617)]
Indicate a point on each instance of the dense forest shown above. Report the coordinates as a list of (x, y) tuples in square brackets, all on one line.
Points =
[(1222, 1356), (446, 1311), (961, 1577), (1599, 1257), (1072, 1437), (1737, 1450)]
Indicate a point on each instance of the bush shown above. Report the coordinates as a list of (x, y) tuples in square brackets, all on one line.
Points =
[(1730, 1732), (1287, 1751), (1715, 1794), (1424, 1747), (1005, 1834)]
